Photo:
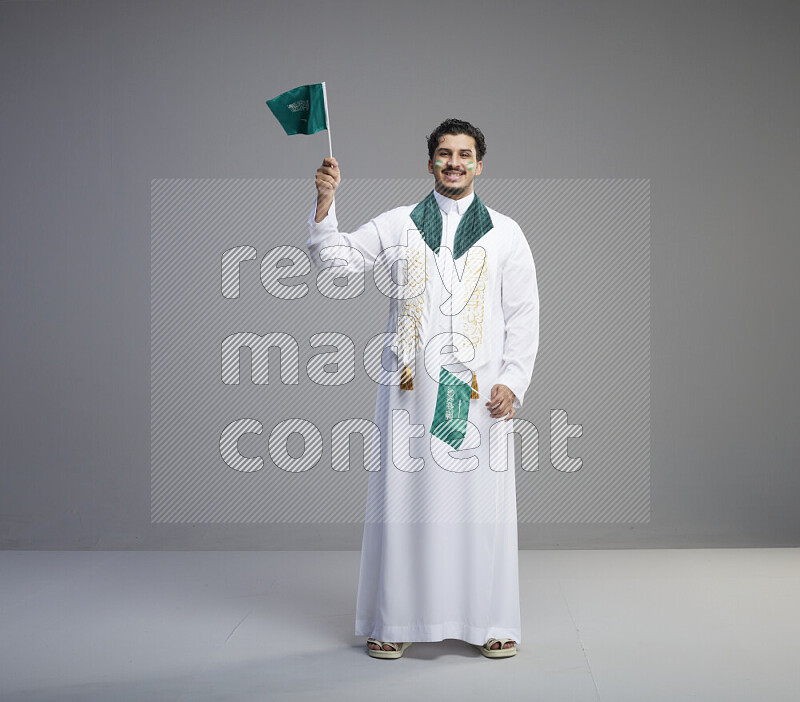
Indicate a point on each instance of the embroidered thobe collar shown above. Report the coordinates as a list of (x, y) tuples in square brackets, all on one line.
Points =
[(475, 221)]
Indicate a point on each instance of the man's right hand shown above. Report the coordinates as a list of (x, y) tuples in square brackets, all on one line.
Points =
[(327, 180)]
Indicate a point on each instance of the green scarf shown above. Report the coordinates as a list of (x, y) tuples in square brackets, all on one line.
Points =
[(474, 223)]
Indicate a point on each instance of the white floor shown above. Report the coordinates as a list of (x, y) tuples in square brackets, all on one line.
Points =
[(705, 624)]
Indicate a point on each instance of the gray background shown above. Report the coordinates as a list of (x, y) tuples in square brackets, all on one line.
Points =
[(99, 98)]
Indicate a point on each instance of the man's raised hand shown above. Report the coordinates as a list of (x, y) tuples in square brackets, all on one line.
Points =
[(327, 180)]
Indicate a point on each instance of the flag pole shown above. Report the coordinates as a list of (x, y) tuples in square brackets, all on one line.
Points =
[(327, 117)]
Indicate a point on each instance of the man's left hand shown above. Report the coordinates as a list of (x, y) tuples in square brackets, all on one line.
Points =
[(502, 403)]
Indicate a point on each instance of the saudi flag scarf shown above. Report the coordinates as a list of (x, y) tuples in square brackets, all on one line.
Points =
[(473, 225), (468, 296)]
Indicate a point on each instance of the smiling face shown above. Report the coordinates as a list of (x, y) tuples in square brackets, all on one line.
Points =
[(454, 165)]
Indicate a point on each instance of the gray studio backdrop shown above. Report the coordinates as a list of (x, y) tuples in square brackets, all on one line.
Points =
[(648, 150)]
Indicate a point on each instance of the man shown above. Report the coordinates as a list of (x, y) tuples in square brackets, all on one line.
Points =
[(439, 557)]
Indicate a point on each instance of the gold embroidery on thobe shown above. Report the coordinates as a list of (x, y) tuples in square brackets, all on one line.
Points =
[(409, 330), (474, 280)]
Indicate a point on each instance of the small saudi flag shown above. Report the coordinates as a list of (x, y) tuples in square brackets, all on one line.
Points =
[(302, 110), (452, 409)]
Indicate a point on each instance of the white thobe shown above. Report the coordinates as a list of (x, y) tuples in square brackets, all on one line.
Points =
[(439, 554)]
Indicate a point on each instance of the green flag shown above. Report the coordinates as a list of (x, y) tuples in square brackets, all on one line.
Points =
[(452, 408), (302, 110)]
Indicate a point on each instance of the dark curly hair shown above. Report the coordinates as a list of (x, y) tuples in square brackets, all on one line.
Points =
[(457, 126)]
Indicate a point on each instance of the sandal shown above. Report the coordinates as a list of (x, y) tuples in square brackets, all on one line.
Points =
[(501, 652), (399, 649)]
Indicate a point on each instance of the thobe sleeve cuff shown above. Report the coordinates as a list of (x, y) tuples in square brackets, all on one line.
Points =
[(358, 250), (520, 299)]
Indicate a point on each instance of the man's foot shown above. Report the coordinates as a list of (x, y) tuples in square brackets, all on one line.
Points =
[(496, 645), (385, 649), (499, 648), (386, 646)]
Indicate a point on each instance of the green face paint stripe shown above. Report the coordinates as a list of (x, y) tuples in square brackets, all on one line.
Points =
[(471, 165), (439, 163)]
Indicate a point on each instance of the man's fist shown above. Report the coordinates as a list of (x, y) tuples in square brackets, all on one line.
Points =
[(502, 402), (328, 178)]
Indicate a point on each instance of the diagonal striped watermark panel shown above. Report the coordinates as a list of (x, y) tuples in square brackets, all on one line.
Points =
[(243, 433)]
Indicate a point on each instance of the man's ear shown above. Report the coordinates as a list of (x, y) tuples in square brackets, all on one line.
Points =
[(430, 166), (478, 167)]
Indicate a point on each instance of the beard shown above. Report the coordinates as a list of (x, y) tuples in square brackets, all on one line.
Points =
[(453, 190)]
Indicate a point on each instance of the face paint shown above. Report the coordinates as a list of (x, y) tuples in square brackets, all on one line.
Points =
[(439, 163), (471, 165)]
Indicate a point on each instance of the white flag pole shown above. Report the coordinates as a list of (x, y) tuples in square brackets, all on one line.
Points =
[(327, 117)]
